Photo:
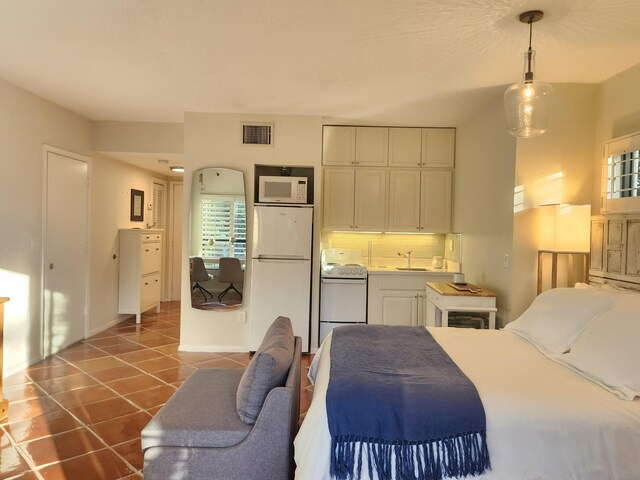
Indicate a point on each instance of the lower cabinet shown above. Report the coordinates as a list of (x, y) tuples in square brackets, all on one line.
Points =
[(400, 298)]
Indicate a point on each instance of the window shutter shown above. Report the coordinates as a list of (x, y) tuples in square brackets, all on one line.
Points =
[(224, 229), (157, 212)]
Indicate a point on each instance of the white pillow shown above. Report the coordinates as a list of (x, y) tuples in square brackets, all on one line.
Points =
[(557, 316), (608, 350)]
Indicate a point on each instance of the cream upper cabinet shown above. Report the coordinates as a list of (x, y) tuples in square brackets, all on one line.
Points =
[(404, 201), (338, 145), (338, 195), (438, 147), (419, 201), (354, 199), (435, 201), (370, 203), (405, 147), (372, 146)]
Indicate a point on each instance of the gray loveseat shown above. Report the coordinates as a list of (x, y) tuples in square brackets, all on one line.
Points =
[(199, 432)]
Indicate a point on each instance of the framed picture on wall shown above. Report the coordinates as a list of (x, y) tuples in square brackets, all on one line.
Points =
[(137, 202)]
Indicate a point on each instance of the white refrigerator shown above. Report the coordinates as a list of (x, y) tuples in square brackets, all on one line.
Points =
[(280, 270)]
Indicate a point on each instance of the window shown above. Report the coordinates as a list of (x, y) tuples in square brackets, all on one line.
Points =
[(224, 226), (623, 175)]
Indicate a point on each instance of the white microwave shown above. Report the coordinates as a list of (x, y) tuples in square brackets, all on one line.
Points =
[(272, 189)]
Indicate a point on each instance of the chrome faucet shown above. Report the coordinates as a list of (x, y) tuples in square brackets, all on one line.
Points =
[(407, 256)]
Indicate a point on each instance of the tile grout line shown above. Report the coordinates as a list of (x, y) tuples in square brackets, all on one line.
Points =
[(86, 427)]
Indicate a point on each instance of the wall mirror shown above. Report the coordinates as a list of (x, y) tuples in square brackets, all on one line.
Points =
[(218, 239)]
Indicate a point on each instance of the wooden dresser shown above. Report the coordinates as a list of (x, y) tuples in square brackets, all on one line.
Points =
[(140, 271)]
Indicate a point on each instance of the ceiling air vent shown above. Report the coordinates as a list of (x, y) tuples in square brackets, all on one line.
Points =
[(257, 134)]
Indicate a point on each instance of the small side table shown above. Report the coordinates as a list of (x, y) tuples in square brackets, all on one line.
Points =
[(442, 298)]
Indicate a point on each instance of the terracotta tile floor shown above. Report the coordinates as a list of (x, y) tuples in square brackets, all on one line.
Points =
[(78, 414)]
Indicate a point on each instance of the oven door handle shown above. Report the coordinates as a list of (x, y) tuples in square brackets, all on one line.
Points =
[(346, 281)]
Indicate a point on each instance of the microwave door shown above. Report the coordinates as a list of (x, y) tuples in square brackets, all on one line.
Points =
[(278, 191)]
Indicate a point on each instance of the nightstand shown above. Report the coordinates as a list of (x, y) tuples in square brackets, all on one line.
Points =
[(444, 299)]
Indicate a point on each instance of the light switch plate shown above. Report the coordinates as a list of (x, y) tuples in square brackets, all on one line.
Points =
[(242, 316)]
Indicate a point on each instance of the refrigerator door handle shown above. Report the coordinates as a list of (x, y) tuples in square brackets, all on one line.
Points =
[(280, 257)]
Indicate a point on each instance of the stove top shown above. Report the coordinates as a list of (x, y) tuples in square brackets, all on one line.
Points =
[(342, 263)]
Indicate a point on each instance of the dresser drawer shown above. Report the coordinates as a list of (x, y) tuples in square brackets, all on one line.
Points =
[(150, 257), (149, 290), (152, 237)]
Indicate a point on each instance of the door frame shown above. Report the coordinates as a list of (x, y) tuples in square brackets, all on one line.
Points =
[(46, 149), (170, 248)]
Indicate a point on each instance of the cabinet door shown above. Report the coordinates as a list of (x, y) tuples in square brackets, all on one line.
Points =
[(338, 145), (438, 147), (372, 146), (405, 147), (338, 198), (423, 309), (404, 201), (398, 307), (149, 291), (370, 199), (150, 257), (435, 203)]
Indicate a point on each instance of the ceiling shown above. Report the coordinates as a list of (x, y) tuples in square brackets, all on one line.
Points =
[(373, 60)]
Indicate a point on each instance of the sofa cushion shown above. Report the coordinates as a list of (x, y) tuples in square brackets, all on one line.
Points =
[(202, 413), (268, 369)]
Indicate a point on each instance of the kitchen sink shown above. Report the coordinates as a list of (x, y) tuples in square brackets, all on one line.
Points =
[(412, 269)]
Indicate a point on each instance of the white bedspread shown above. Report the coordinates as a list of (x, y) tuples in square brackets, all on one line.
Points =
[(544, 421)]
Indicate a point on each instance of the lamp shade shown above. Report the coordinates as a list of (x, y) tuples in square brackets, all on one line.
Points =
[(564, 228)]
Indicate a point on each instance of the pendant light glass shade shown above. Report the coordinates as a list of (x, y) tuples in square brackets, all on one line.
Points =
[(527, 103)]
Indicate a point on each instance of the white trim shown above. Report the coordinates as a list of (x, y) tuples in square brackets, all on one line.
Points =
[(106, 326), (46, 149), (213, 348), (171, 248)]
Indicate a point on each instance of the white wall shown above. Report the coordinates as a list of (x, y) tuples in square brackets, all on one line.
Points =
[(556, 167), (617, 114), (111, 184), (146, 137), (26, 123), (483, 200), (214, 140)]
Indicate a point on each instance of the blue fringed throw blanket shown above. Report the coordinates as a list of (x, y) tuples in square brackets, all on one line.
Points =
[(398, 405)]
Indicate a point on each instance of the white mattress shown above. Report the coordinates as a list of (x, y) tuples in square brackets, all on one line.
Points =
[(544, 421)]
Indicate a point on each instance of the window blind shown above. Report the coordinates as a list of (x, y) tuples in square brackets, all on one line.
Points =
[(224, 226)]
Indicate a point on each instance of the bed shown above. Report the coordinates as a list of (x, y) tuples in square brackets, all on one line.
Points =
[(551, 388)]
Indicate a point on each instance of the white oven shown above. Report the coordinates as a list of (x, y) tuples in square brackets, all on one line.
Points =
[(343, 290), (274, 189)]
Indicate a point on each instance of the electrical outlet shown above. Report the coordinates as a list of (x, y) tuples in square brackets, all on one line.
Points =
[(242, 316), (505, 262)]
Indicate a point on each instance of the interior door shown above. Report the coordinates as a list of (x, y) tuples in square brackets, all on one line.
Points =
[(66, 250), (175, 241)]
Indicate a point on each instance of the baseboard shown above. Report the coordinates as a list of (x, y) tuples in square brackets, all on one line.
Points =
[(110, 324), (213, 348)]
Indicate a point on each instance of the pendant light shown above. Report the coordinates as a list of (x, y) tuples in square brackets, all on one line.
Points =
[(527, 102)]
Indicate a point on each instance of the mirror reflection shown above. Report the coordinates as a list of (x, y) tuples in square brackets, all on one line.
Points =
[(218, 243)]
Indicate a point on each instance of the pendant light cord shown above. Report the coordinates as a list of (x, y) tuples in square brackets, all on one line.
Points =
[(529, 74)]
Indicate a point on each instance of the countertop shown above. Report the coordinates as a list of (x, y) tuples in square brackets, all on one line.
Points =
[(381, 270)]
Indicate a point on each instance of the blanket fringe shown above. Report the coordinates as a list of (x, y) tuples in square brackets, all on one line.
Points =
[(452, 457)]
